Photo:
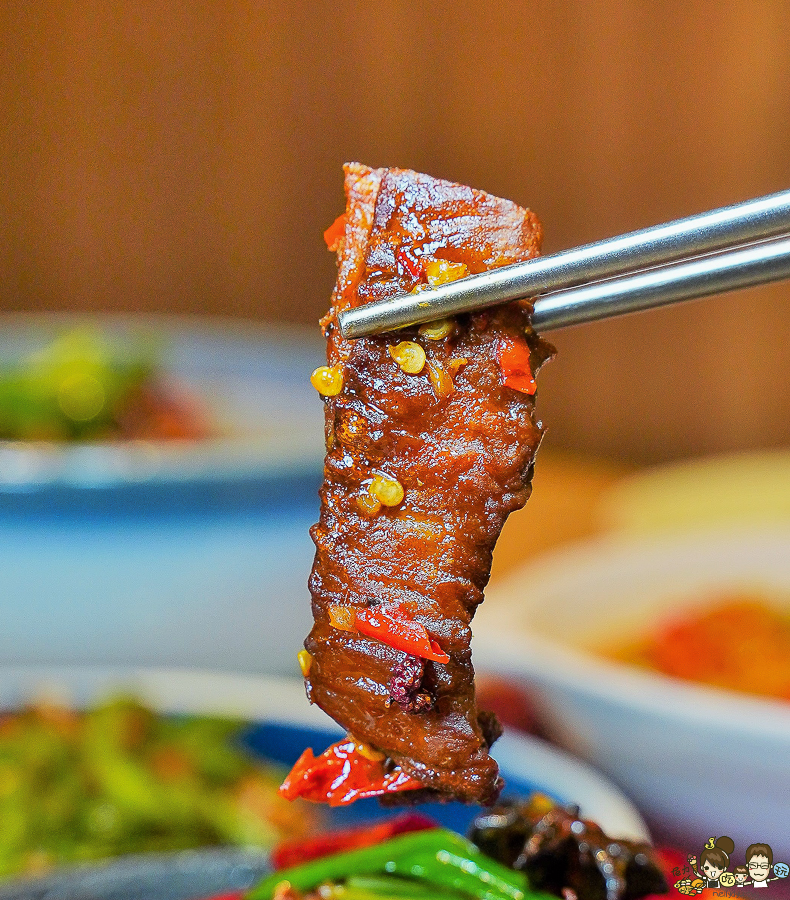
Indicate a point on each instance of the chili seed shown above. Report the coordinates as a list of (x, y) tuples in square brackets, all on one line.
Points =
[(327, 380), (368, 504), (409, 356), (441, 382), (367, 751), (342, 617), (442, 271), (453, 365), (435, 331), (388, 491), (305, 661)]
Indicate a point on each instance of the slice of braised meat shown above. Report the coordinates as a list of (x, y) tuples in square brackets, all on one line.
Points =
[(425, 461)]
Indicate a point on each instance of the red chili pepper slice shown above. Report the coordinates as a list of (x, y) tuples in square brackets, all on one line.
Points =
[(399, 631), (294, 853), (513, 356), (341, 775), (413, 266), (335, 232)]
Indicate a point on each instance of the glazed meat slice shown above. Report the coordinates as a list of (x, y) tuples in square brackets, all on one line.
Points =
[(425, 460)]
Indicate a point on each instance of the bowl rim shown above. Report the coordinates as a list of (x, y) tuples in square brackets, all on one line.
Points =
[(499, 645)]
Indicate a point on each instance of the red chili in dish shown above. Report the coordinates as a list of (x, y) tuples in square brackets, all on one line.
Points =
[(294, 853)]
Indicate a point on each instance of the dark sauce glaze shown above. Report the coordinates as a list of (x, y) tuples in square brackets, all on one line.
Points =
[(464, 460)]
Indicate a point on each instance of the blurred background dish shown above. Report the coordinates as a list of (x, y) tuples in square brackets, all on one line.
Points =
[(170, 552), (727, 489), (163, 159), (697, 760), (249, 383), (277, 724)]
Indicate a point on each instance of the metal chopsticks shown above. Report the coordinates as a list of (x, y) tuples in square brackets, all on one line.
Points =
[(560, 281)]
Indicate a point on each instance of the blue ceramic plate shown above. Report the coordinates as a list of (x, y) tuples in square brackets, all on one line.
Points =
[(282, 724)]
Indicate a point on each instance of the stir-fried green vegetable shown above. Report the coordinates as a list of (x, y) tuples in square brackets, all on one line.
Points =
[(121, 779), (430, 863), (85, 385), (71, 388)]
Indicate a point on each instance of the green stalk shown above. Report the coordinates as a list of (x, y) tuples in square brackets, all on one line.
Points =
[(437, 858), (394, 887)]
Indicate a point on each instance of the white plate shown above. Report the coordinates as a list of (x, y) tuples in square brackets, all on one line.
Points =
[(254, 380), (281, 724)]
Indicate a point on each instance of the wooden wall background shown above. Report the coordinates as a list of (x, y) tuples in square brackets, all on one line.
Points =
[(165, 155)]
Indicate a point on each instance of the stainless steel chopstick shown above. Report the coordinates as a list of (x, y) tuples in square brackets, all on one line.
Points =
[(716, 274), (727, 227)]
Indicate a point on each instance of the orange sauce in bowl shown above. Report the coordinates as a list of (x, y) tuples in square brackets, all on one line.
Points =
[(736, 641)]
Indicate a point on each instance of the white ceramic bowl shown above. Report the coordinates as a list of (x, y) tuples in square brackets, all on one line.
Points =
[(697, 761), (733, 489), (253, 380)]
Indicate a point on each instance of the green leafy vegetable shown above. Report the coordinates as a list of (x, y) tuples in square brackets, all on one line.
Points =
[(121, 779), (72, 388)]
